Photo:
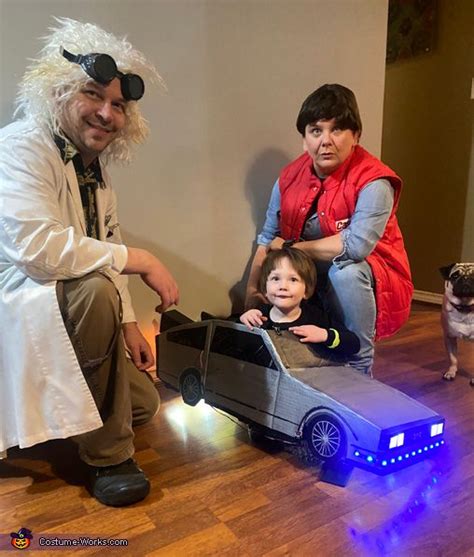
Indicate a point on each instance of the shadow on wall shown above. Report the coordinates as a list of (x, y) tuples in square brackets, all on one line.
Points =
[(258, 187), (206, 291), (194, 294)]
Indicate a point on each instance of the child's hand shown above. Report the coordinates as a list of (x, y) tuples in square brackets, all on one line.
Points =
[(310, 333), (253, 318)]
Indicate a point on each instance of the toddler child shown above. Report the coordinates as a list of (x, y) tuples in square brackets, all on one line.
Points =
[(288, 280)]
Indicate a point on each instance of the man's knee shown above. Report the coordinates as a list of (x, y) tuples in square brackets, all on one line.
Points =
[(93, 293), (91, 311), (100, 291)]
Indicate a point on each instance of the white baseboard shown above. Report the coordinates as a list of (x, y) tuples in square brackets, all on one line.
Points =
[(429, 297)]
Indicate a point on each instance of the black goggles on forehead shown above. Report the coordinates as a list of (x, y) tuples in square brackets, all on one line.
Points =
[(102, 68)]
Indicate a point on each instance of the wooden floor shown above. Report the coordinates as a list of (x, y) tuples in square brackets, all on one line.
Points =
[(214, 493)]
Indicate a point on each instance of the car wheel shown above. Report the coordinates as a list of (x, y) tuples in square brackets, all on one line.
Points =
[(326, 438), (191, 389)]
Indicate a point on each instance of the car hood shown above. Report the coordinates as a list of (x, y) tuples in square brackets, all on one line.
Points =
[(378, 403)]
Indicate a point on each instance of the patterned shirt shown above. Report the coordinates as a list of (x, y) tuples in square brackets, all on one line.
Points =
[(89, 179)]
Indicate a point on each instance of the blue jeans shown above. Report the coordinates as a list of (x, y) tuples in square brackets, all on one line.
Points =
[(349, 296)]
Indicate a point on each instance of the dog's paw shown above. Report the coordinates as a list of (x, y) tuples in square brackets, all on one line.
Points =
[(449, 376)]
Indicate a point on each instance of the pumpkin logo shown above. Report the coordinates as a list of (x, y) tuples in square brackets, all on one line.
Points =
[(21, 539)]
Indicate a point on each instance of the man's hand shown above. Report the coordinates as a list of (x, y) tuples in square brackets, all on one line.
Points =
[(277, 243), (154, 274), (140, 350), (310, 333), (162, 282), (253, 318)]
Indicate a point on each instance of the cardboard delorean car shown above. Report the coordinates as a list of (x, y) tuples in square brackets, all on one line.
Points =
[(271, 381)]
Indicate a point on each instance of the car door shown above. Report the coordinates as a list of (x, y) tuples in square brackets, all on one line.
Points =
[(241, 374)]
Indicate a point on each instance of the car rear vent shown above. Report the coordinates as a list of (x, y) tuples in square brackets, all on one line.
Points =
[(173, 318)]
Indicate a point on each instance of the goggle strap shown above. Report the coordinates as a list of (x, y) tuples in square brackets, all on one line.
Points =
[(75, 58)]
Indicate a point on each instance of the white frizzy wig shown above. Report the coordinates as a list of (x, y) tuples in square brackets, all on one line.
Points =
[(50, 81)]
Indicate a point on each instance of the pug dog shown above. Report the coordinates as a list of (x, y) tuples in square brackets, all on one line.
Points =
[(457, 314)]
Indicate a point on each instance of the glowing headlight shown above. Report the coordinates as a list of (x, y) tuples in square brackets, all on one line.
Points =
[(436, 429), (396, 441)]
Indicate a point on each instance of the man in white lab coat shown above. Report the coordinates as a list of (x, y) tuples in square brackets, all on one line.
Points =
[(65, 311)]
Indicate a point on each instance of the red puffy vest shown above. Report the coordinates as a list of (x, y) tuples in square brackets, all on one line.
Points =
[(339, 192)]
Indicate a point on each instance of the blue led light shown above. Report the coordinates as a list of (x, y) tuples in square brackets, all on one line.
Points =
[(437, 444), (356, 453), (425, 448), (370, 458), (384, 463), (407, 455), (400, 457), (419, 451), (431, 446), (413, 453), (442, 442), (392, 460)]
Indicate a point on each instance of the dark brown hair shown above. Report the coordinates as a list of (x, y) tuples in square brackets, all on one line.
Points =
[(300, 262), (330, 101)]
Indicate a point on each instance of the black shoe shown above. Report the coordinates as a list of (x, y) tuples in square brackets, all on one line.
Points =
[(119, 485)]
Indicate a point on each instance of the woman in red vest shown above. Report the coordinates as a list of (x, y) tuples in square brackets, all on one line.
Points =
[(337, 203)]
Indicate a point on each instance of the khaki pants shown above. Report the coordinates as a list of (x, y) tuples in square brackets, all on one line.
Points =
[(125, 396)]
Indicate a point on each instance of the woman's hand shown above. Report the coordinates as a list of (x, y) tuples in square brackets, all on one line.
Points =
[(277, 243), (310, 333), (253, 318), (254, 298), (140, 350)]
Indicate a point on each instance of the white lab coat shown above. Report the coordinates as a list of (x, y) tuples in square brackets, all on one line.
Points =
[(43, 394)]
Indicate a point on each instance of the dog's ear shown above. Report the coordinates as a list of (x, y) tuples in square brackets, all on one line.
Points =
[(446, 270)]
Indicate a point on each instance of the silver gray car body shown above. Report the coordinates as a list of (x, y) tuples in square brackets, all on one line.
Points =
[(249, 375)]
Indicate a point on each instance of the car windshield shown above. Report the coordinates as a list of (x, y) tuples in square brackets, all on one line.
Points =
[(241, 345), (295, 354)]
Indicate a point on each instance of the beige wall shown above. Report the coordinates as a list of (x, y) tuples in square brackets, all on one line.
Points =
[(468, 235), (427, 138), (237, 72)]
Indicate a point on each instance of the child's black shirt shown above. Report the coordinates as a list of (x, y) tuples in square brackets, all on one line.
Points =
[(340, 341)]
